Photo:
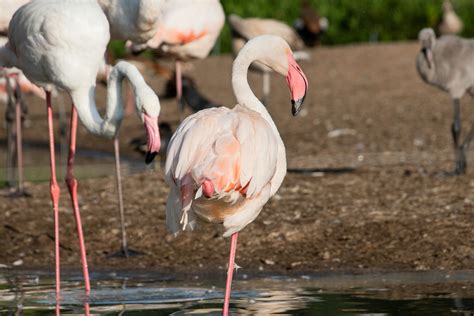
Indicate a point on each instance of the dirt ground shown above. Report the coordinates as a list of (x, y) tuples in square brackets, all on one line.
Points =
[(380, 135)]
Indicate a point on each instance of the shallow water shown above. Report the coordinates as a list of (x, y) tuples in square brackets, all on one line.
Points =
[(156, 294)]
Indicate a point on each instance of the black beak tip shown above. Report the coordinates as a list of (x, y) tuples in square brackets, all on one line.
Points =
[(150, 156), (296, 106)]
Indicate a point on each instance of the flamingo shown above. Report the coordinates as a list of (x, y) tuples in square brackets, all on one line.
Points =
[(10, 95), (223, 164), (186, 30), (246, 29), (62, 43), (135, 21), (13, 84)]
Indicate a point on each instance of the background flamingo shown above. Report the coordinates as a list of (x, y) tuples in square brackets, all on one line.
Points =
[(54, 45), (135, 21), (12, 84), (187, 30), (223, 165)]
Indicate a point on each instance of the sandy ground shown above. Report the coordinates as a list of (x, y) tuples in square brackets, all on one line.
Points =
[(367, 116)]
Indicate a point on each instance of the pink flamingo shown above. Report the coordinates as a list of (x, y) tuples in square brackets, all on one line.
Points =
[(224, 164), (13, 84), (186, 30), (53, 44)]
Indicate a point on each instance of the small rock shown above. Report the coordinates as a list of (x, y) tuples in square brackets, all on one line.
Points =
[(418, 142), (269, 262), (295, 264), (341, 132), (3, 266), (326, 255), (18, 263)]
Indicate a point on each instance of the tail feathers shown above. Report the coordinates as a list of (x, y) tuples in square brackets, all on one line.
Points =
[(7, 57)]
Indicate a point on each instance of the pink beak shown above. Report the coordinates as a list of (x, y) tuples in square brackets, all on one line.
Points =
[(298, 84), (153, 138)]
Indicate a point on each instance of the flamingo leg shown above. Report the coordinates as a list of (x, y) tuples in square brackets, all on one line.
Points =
[(9, 117), (19, 146), (54, 190), (120, 196), (179, 91), (230, 272), (72, 186)]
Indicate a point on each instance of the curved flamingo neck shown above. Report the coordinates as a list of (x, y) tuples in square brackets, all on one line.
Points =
[(84, 101), (242, 91)]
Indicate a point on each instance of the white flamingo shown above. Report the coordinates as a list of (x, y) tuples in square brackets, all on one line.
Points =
[(53, 43), (224, 164), (186, 30)]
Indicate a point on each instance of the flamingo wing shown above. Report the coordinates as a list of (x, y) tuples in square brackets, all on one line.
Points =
[(233, 152)]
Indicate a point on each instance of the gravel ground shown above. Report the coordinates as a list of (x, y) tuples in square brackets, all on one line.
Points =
[(366, 191)]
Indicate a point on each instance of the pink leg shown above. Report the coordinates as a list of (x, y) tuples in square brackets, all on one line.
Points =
[(54, 189), (230, 272), (72, 186), (179, 91)]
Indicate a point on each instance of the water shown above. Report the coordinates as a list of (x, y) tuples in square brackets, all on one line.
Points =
[(425, 293)]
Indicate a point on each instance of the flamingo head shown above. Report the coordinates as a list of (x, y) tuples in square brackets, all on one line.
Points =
[(275, 53), (148, 107)]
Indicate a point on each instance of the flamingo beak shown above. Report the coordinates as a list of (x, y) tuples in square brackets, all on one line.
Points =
[(153, 138), (298, 84)]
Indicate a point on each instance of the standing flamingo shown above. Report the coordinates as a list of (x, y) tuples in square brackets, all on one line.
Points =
[(186, 30), (13, 84), (54, 43), (9, 81), (224, 164), (135, 21)]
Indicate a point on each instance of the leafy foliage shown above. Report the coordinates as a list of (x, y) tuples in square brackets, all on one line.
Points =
[(350, 21)]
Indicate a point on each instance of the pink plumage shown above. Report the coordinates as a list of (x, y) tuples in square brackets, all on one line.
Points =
[(224, 164)]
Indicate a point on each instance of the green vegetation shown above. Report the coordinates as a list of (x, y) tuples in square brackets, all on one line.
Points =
[(350, 21), (357, 21)]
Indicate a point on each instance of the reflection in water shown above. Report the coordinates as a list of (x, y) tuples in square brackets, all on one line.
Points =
[(275, 302), (143, 295)]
